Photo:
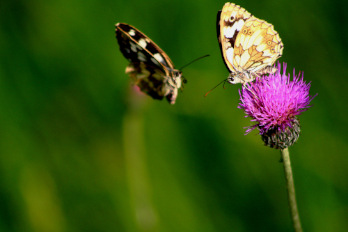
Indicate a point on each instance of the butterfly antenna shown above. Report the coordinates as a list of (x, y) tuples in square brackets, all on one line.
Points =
[(224, 81), (194, 61)]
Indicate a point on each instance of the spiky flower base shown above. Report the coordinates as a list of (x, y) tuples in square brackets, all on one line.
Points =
[(281, 139)]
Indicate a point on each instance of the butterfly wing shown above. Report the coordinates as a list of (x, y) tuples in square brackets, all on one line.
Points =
[(249, 46), (150, 67), (230, 21), (137, 47), (257, 46)]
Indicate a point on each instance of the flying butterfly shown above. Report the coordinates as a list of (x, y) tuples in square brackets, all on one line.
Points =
[(249, 46), (150, 67)]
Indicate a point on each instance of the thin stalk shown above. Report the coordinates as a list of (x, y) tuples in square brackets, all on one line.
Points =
[(291, 190), (135, 163)]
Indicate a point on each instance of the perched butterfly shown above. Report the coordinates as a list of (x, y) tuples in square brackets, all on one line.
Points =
[(150, 67), (249, 45)]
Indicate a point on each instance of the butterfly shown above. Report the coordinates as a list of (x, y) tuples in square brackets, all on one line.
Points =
[(249, 46), (150, 67)]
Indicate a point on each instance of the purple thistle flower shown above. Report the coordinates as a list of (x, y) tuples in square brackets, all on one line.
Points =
[(273, 102)]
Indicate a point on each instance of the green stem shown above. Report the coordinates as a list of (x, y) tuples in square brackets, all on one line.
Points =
[(135, 163), (291, 190)]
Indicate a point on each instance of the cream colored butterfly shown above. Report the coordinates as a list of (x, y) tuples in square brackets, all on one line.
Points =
[(249, 45)]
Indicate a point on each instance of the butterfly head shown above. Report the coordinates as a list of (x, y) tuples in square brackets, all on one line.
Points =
[(176, 80), (240, 77), (180, 78)]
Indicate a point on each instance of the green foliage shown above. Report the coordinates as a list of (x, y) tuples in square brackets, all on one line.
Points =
[(78, 155)]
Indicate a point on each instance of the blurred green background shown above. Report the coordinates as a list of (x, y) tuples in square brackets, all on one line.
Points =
[(81, 152)]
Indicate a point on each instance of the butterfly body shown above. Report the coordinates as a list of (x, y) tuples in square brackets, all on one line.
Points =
[(150, 67), (249, 46)]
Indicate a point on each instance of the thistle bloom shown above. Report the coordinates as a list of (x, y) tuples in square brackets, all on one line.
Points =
[(273, 102)]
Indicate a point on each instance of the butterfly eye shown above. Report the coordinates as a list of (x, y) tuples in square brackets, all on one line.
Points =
[(269, 42), (249, 32), (231, 18), (245, 31)]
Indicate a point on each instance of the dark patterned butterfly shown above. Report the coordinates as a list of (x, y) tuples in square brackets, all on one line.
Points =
[(150, 67)]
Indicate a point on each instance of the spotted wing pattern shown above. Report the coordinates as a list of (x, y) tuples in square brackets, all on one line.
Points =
[(150, 67), (249, 46)]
